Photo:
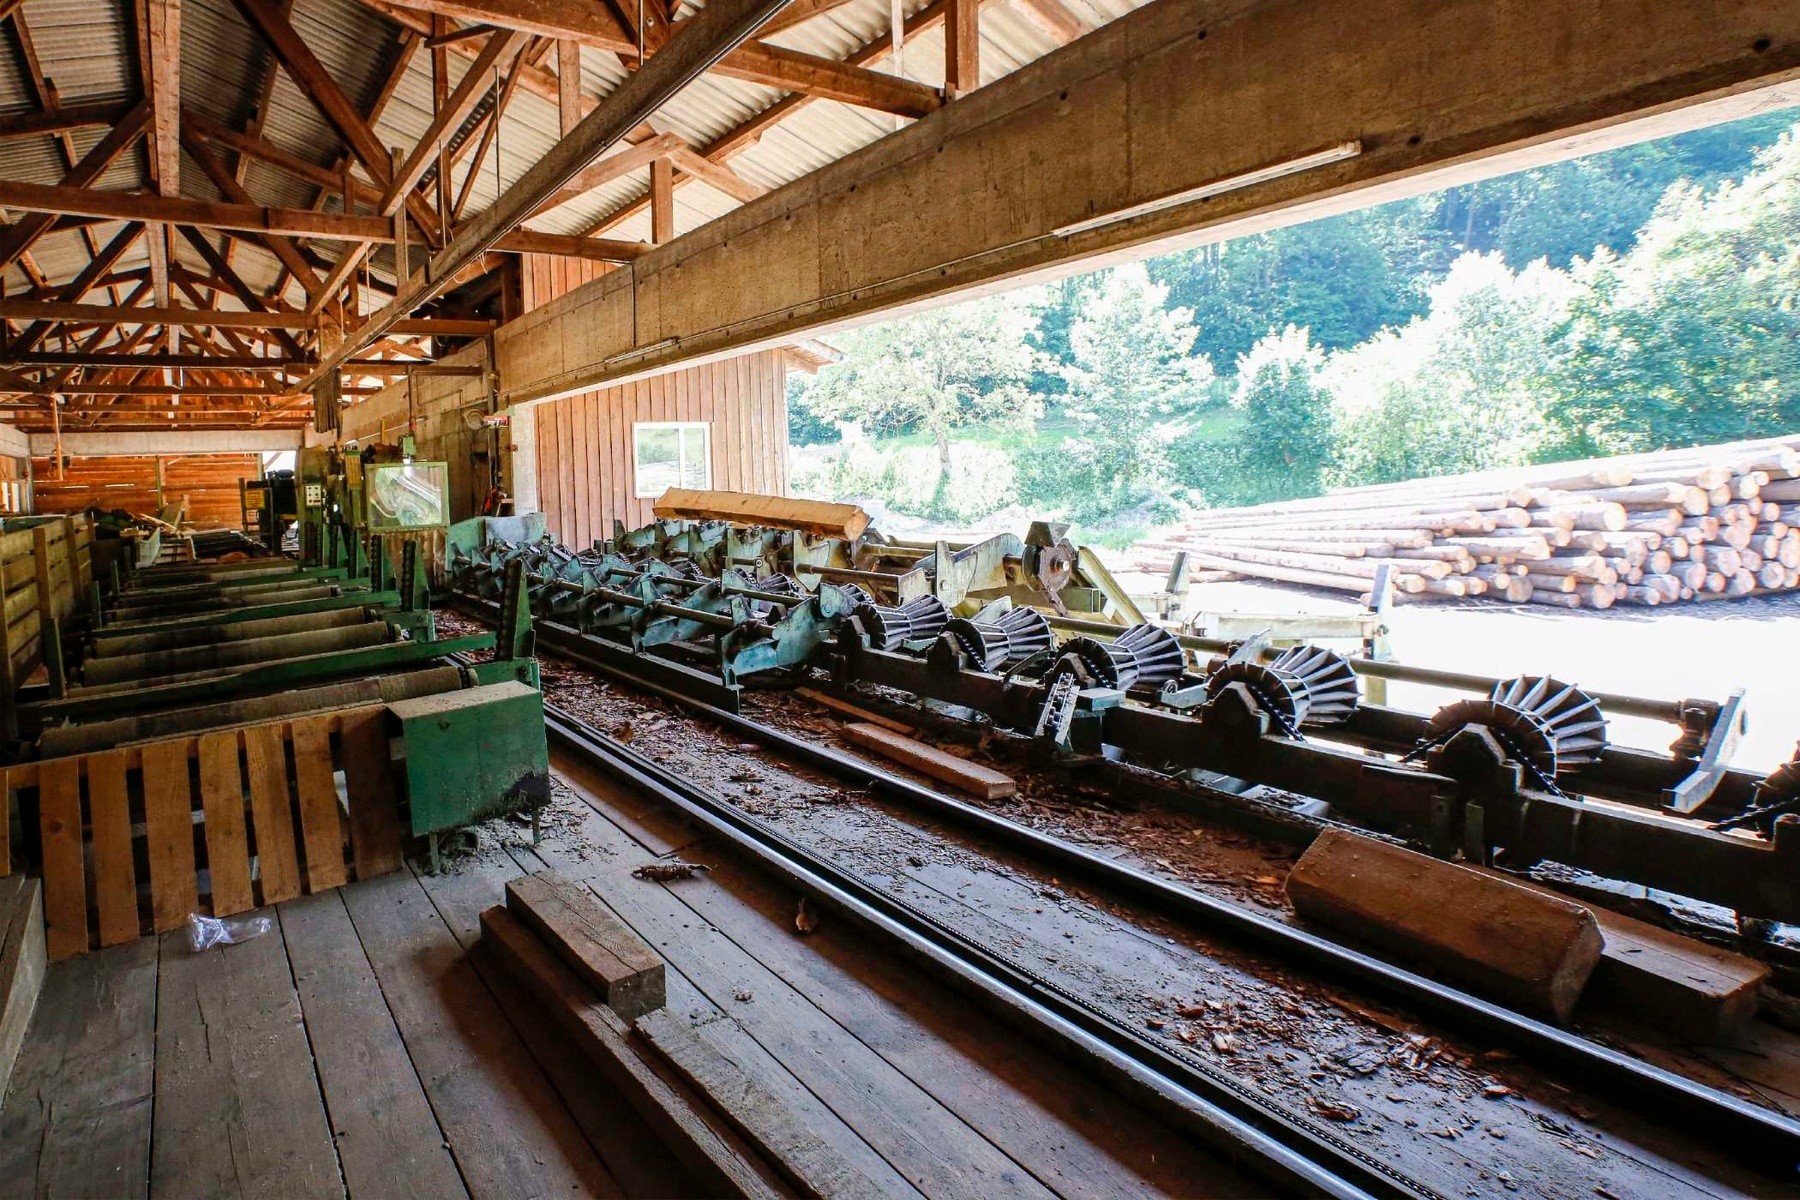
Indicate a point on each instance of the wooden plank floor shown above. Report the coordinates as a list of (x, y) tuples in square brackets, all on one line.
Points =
[(353, 1051), (367, 1047)]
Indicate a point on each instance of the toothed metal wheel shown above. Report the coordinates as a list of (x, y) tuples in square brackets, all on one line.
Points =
[(1012, 637), (890, 628), (1142, 654), (1554, 727), (1305, 685)]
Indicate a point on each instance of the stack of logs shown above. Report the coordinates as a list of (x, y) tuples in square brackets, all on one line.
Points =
[(1695, 524)]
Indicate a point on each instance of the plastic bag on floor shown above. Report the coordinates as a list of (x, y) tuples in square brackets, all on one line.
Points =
[(206, 932)]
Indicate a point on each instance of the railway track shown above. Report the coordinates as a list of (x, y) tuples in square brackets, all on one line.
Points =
[(1211, 1102)]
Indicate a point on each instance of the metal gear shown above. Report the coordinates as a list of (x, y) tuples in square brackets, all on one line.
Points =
[(890, 628), (1554, 727), (1013, 636), (1142, 654), (1305, 685)]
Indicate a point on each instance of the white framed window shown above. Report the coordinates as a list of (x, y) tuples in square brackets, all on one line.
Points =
[(666, 454)]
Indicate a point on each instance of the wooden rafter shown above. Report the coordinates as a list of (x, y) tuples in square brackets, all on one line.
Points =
[(19, 237), (244, 293), (749, 132), (84, 282), (701, 40), (489, 133), (44, 201), (65, 119), (449, 115), (316, 83), (595, 25)]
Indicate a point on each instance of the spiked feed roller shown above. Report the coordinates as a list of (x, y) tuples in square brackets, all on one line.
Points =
[(890, 628), (1306, 685), (1011, 637), (1555, 727), (858, 598), (1143, 654)]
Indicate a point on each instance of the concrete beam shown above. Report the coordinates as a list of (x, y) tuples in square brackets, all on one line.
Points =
[(1176, 96), (193, 441)]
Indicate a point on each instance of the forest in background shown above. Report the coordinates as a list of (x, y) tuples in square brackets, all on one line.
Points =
[(1637, 299)]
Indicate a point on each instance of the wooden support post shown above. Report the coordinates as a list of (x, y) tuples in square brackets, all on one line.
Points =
[(962, 47), (401, 271), (40, 555), (662, 200), (568, 83)]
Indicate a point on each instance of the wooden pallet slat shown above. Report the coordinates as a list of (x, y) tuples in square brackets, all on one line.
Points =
[(169, 831), (369, 783), (109, 823), (271, 812), (322, 833), (65, 870), (227, 844)]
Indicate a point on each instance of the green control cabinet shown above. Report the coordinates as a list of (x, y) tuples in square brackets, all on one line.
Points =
[(472, 754)]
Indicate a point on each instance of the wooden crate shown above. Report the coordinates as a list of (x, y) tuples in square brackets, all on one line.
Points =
[(136, 838)]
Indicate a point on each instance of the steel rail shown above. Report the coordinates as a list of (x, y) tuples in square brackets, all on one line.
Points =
[(1291, 1152), (1758, 1136)]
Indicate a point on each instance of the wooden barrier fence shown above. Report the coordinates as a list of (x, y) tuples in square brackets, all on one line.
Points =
[(219, 823), (45, 571)]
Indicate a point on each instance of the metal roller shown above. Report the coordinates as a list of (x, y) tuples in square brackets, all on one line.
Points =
[(857, 598), (1142, 654), (989, 645), (890, 628), (1555, 727), (1305, 685)]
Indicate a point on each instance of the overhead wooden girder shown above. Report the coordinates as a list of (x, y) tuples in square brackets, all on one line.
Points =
[(316, 83), (593, 25), (63, 119), (95, 314), (699, 42), (722, 149), (1149, 136)]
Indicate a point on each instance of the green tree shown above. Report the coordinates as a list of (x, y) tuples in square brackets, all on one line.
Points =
[(1287, 435), (1132, 369), (1460, 389), (936, 372), (1694, 334)]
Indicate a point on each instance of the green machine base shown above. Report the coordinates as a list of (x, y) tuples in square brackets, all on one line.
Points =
[(472, 754)]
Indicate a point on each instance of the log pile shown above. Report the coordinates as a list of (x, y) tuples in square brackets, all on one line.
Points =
[(1705, 523)]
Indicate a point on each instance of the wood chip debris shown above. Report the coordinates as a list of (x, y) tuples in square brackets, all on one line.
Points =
[(661, 872)]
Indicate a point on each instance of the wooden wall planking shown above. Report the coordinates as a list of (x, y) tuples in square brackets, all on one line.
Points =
[(209, 481), (584, 442)]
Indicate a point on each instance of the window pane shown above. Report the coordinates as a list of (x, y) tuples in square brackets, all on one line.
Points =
[(658, 455), (694, 472)]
